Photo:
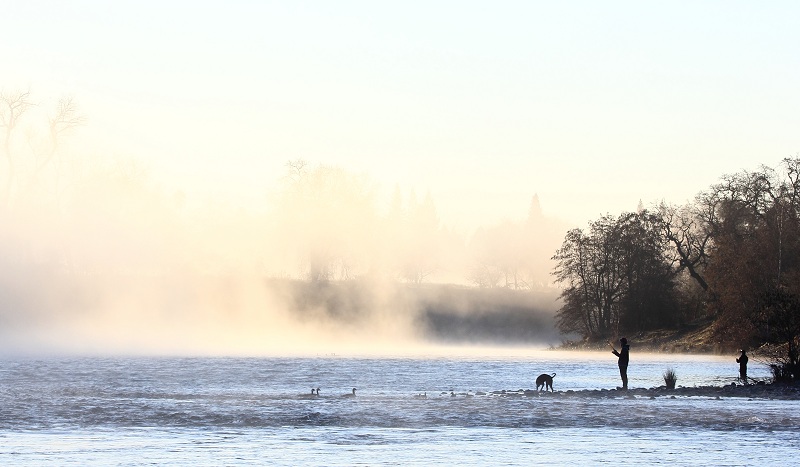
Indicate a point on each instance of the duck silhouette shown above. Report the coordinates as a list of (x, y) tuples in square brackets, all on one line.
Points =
[(353, 394), (314, 393)]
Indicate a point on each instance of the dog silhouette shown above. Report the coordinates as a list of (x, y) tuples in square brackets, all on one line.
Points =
[(545, 381)]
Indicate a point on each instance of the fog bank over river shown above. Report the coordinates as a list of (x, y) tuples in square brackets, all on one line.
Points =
[(236, 316)]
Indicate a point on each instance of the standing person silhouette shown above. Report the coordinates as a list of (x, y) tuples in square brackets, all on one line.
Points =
[(623, 360), (742, 361)]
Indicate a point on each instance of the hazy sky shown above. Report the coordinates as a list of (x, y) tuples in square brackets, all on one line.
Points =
[(592, 105)]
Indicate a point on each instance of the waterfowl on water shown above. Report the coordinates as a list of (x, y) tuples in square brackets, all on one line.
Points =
[(351, 395), (314, 393)]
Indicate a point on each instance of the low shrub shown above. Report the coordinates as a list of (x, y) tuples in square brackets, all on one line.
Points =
[(670, 378)]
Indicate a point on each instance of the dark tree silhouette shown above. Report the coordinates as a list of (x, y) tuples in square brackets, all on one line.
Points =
[(683, 228), (616, 277), (753, 261)]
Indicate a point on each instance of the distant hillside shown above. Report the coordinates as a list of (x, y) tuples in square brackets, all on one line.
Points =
[(439, 313)]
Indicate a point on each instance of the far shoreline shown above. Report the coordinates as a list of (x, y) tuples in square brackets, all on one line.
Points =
[(698, 339)]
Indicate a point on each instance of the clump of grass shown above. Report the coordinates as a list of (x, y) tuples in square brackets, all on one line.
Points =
[(670, 378)]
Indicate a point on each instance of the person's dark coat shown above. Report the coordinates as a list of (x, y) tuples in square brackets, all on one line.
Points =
[(623, 355), (742, 361)]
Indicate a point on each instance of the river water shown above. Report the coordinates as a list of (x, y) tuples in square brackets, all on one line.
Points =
[(258, 411)]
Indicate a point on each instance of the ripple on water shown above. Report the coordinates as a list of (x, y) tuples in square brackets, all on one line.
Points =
[(214, 411)]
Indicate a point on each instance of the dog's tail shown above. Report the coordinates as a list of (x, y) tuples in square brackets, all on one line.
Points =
[(554, 375)]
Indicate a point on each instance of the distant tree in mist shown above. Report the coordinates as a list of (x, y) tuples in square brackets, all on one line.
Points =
[(326, 217), (331, 226), (501, 256), (13, 107), (515, 255), (64, 118), (88, 231), (544, 235), (28, 156), (77, 213), (419, 241), (34, 177)]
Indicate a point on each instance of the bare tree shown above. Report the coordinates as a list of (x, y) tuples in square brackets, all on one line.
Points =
[(64, 119), (689, 237), (12, 107)]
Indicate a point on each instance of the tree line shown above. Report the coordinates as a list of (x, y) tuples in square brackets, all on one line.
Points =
[(69, 211), (731, 257)]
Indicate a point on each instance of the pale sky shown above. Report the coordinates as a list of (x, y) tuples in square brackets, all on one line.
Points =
[(592, 105)]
